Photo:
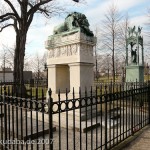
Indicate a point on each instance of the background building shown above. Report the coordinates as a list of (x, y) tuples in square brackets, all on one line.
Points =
[(6, 74)]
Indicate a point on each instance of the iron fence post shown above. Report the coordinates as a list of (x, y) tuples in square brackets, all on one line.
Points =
[(105, 118), (148, 99), (5, 117), (132, 132), (50, 109)]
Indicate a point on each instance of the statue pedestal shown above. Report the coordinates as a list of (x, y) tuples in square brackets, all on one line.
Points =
[(134, 47), (134, 73)]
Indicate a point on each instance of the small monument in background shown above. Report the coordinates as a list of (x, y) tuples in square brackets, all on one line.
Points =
[(134, 55), (70, 56)]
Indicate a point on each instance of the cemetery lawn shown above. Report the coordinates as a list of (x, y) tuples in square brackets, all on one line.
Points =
[(40, 91)]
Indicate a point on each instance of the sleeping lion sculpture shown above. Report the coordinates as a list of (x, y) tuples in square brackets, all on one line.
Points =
[(73, 21)]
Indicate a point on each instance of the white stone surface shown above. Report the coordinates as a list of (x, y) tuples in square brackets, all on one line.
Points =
[(72, 48)]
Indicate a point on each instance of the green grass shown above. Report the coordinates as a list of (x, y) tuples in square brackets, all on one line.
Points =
[(104, 79), (41, 91)]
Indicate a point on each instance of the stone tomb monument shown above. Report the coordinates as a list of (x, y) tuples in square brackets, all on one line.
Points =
[(70, 61), (70, 56), (134, 56)]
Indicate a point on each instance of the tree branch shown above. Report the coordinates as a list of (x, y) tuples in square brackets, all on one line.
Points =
[(6, 15), (13, 9), (30, 20), (15, 26), (45, 11), (7, 18), (36, 7), (2, 28), (19, 1)]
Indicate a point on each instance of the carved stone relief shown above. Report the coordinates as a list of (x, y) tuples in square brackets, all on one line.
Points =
[(57, 52), (74, 49), (69, 50), (50, 54), (64, 51)]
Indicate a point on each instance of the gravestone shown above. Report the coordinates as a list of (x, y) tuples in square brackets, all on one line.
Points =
[(134, 56), (70, 56)]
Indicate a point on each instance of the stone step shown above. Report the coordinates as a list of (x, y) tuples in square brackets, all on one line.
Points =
[(70, 119)]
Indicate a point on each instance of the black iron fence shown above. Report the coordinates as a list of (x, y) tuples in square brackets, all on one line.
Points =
[(19, 118), (96, 118)]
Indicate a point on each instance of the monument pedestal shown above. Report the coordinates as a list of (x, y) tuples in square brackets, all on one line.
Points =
[(134, 73)]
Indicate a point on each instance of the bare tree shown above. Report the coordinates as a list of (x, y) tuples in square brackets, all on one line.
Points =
[(111, 33), (107, 65), (9, 55), (20, 14), (97, 35), (3, 58), (38, 64), (148, 25), (123, 34)]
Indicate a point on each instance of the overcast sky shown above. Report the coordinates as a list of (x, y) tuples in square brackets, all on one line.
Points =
[(94, 10)]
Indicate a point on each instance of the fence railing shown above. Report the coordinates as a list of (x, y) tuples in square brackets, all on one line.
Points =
[(19, 122), (99, 118)]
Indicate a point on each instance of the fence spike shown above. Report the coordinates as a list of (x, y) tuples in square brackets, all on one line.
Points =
[(59, 95), (66, 92), (85, 92), (50, 92), (79, 90), (73, 93)]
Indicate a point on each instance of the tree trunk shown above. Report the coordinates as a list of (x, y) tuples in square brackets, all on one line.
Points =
[(19, 63), (113, 66), (113, 56)]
